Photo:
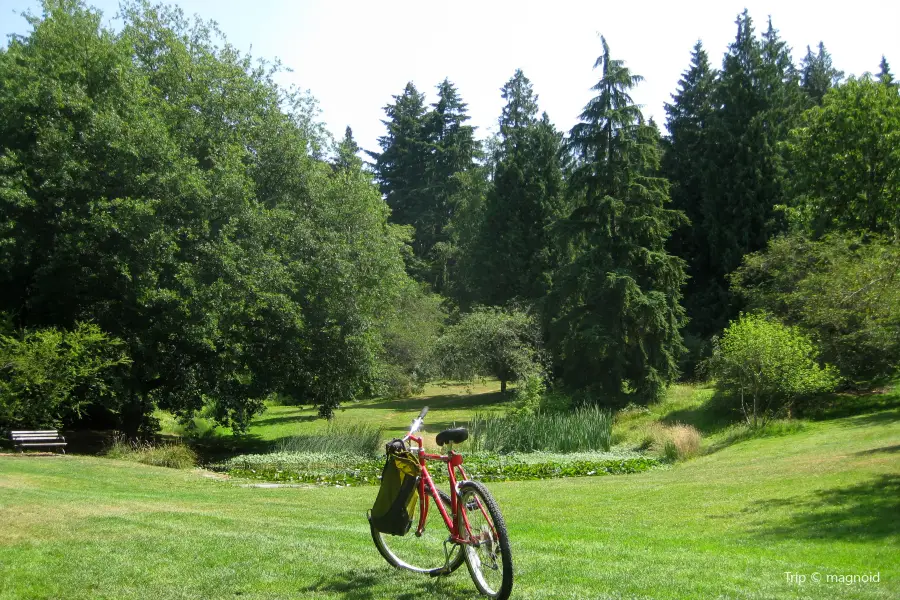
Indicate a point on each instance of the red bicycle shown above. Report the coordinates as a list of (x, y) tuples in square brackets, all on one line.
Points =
[(477, 532)]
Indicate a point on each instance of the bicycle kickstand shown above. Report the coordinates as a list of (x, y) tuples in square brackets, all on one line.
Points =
[(445, 570)]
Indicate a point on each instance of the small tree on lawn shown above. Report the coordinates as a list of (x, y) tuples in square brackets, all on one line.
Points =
[(491, 341), (768, 366)]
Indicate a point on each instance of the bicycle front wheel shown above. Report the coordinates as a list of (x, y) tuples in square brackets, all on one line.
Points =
[(487, 553), (425, 553)]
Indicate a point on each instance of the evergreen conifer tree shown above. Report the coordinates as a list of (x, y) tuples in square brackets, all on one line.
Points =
[(615, 303), (452, 151), (400, 166), (757, 99), (423, 156), (348, 153), (514, 250), (818, 74), (684, 162), (884, 72)]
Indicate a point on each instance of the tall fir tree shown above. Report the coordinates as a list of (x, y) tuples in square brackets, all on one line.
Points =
[(818, 74), (757, 99), (452, 152), (400, 167), (884, 73), (421, 168), (684, 161), (513, 258), (781, 91), (347, 158), (616, 316)]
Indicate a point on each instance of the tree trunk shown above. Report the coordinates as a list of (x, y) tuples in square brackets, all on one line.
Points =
[(754, 410), (502, 386)]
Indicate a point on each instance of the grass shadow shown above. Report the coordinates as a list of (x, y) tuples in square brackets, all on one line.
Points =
[(864, 511), (713, 416), (372, 583), (883, 450), (850, 404), (879, 418)]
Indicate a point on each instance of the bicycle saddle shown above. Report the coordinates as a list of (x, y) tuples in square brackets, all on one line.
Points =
[(456, 436)]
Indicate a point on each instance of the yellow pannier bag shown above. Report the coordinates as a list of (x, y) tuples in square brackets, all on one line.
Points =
[(395, 505)]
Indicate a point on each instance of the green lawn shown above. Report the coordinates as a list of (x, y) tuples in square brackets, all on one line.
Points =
[(825, 500), (450, 403)]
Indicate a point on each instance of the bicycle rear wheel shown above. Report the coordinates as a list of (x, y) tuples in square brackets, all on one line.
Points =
[(487, 556), (424, 554)]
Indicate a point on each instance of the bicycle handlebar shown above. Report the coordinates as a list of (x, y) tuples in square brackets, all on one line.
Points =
[(417, 423)]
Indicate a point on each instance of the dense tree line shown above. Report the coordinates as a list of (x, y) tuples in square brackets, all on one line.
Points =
[(156, 183), (604, 229)]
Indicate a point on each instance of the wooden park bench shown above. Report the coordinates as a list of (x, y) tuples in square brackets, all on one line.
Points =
[(37, 439)]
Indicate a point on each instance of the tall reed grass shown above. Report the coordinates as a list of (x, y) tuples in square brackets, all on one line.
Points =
[(360, 439), (585, 428), (173, 455)]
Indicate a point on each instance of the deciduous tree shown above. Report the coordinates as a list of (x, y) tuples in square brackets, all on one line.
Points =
[(845, 161)]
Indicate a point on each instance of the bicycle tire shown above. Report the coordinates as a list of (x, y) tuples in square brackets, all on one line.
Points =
[(403, 552), (493, 540)]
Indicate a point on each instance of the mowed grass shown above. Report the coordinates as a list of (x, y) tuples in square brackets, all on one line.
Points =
[(729, 524), (450, 403)]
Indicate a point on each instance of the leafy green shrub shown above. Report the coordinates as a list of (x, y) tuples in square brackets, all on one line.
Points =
[(530, 392), (360, 439), (349, 469), (51, 376), (585, 428), (766, 366), (842, 290), (173, 456), (533, 396)]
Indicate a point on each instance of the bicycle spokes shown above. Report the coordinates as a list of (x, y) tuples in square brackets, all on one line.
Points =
[(490, 569)]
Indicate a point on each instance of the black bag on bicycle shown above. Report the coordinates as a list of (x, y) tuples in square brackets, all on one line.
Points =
[(395, 505)]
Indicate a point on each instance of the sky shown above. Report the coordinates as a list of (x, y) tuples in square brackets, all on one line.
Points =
[(355, 55)]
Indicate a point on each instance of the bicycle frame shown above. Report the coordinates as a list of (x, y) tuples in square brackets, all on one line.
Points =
[(454, 462)]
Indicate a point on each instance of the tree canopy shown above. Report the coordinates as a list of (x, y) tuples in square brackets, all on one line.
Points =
[(156, 181), (846, 161)]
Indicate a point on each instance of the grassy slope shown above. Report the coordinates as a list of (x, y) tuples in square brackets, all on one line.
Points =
[(726, 525), (718, 419)]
